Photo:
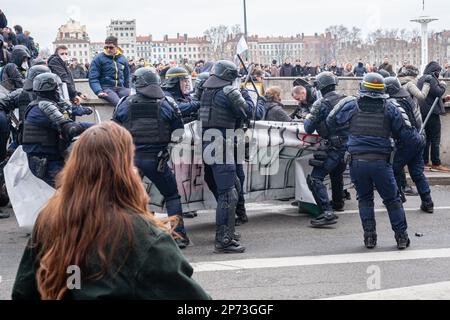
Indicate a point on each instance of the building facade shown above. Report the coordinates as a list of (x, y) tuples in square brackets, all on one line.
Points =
[(74, 36), (125, 32)]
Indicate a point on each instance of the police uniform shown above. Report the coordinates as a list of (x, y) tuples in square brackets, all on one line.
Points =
[(329, 159), (409, 151), (151, 118), (171, 87), (224, 107), (46, 130), (372, 121)]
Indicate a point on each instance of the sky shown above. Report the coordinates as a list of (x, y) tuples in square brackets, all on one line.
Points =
[(265, 17)]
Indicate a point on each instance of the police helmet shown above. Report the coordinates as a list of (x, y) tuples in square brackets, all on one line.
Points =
[(325, 79), (393, 85), (174, 75), (373, 86), (147, 81), (384, 73), (201, 78), (46, 82), (225, 70), (32, 73)]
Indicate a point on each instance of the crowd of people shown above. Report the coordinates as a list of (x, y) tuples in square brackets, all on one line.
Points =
[(99, 219)]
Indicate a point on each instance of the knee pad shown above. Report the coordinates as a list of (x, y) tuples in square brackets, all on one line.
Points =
[(228, 199)]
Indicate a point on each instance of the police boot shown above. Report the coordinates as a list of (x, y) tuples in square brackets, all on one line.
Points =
[(181, 237), (370, 239), (241, 215), (325, 219), (427, 204), (402, 239), (225, 243), (190, 214), (337, 206)]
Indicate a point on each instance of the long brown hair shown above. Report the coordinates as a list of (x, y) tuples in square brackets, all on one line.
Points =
[(98, 190)]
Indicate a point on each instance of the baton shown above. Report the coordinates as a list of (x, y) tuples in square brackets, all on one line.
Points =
[(428, 115)]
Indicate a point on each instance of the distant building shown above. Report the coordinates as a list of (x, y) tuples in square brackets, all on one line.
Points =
[(75, 37), (96, 48), (125, 32)]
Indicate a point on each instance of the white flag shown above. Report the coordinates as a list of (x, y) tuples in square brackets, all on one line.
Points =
[(242, 46)]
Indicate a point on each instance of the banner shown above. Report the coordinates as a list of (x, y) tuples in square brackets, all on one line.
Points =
[(282, 177)]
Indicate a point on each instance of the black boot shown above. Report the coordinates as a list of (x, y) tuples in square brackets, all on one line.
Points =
[(182, 240), (337, 206), (347, 195), (225, 243), (370, 239), (402, 239), (190, 214), (324, 219), (427, 207), (241, 215), (409, 191)]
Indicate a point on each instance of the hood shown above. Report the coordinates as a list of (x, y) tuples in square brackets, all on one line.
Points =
[(405, 80), (119, 52), (432, 67), (360, 65), (18, 55)]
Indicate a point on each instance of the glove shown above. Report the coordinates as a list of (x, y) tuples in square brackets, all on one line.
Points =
[(70, 130), (428, 78), (87, 111)]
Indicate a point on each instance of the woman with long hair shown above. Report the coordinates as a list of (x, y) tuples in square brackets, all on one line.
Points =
[(97, 227)]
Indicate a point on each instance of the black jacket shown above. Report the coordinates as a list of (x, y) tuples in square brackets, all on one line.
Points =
[(60, 68), (298, 71), (275, 112), (437, 90), (286, 70), (3, 20)]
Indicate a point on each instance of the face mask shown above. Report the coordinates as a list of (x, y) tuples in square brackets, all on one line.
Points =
[(24, 65), (64, 58)]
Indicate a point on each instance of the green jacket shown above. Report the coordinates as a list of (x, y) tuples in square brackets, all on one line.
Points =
[(154, 269)]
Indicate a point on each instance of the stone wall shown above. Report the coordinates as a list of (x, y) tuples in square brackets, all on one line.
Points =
[(348, 86)]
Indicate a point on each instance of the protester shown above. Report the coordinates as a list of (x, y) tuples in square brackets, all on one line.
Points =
[(360, 70), (286, 68), (274, 70), (13, 74), (99, 221), (433, 127), (298, 69), (3, 20), (387, 66), (348, 70), (77, 69), (446, 71), (9, 38), (58, 65), (273, 106), (109, 73), (4, 54)]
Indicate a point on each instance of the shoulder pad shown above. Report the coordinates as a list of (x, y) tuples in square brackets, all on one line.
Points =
[(171, 101), (393, 102), (45, 104)]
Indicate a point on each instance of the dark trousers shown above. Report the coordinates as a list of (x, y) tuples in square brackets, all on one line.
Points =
[(115, 93), (165, 182), (334, 166), (405, 156), (4, 134), (433, 132), (48, 172), (366, 174)]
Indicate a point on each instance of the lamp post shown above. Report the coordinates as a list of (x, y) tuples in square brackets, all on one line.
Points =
[(245, 27), (424, 21)]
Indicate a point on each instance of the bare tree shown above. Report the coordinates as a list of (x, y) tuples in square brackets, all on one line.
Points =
[(217, 37)]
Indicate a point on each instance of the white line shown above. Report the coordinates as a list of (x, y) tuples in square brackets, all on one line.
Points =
[(384, 210), (432, 291), (244, 264)]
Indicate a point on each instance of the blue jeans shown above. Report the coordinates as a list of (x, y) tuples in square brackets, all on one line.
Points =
[(115, 93), (366, 174)]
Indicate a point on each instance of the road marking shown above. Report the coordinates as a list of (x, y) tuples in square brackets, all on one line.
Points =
[(431, 291), (233, 265)]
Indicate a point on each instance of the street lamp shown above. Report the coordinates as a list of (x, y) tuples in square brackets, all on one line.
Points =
[(245, 27), (424, 21)]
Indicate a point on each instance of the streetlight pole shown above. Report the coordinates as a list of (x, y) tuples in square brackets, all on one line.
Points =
[(245, 27)]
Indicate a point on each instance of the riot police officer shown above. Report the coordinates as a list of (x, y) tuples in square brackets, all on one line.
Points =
[(151, 118), (410, 150), (372, 121), (224, 108), (47, 129), (178, 86), (329, 159)]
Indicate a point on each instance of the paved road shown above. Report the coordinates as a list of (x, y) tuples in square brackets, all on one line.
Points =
[(286, 259)]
